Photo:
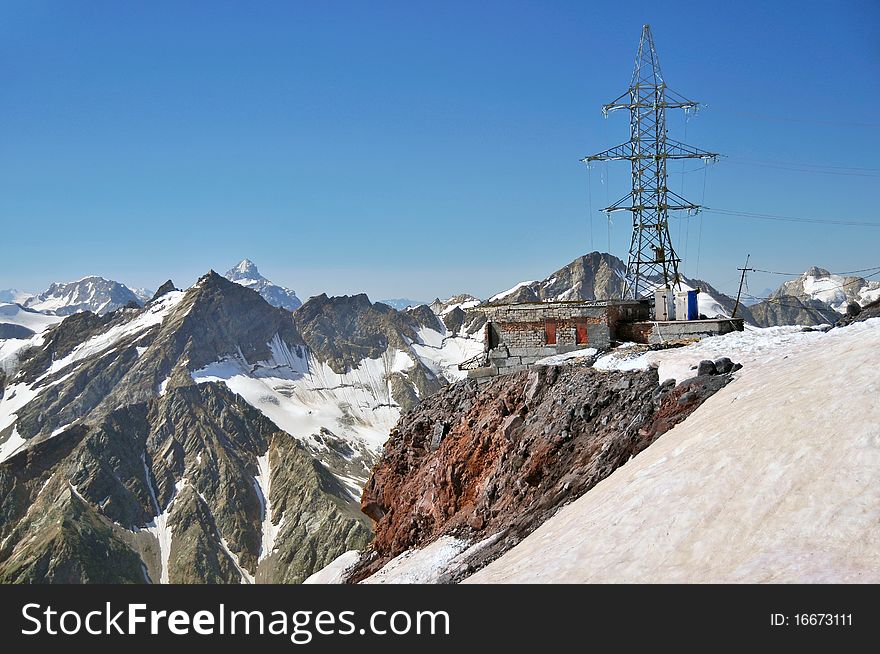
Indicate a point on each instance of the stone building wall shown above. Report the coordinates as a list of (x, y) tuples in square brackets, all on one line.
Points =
[(518, 337)]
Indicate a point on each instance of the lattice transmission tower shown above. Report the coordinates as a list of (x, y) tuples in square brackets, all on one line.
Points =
[(652, 259)]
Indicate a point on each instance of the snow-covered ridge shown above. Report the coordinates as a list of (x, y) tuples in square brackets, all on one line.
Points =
[(510, 291), (772, 480), (13, 314), (91, 293), (153, 315)]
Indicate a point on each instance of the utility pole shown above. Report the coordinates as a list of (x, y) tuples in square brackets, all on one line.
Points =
[(652, 259), (742, 280)]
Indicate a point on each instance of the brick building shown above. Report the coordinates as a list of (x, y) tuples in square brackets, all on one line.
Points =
[(518, 335)]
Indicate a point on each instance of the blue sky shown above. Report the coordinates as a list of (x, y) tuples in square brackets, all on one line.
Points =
[(418, 148)]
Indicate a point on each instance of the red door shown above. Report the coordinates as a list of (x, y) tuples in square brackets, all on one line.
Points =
[(550, 331), (581, 336)]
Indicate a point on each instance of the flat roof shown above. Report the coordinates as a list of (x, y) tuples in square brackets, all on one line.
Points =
[(564, 303)]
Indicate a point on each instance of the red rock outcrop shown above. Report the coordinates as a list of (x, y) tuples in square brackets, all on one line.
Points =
[(503, 455)]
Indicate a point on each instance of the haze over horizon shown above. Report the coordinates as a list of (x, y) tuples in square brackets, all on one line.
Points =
[(415, 151)]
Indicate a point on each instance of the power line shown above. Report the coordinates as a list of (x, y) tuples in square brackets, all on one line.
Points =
[(791, 119), (805, 168), (849, 272), (794, 219), (831, 288), (799, 164)]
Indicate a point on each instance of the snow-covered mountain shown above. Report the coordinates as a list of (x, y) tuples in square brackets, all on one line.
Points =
[(249, 432), (601, 275), (14, 296), (93, 293), (246, 274), (835, 290), (595, 275)]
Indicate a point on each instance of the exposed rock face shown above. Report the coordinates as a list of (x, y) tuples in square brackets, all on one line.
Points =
[(94, 294), (500, 457), (167, 287), (82, 506), (791, 310), (15, 331), (343, 331), (246, 274), (597, 275), (871, 310)]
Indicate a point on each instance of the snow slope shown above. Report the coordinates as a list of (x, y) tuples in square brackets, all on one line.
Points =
[(773, 479), (752, 347), (510, 291), (11, 348), (13, 314), (442, 351), (14, 295)]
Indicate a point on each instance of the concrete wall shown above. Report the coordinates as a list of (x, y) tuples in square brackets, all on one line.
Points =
[(659, 332)]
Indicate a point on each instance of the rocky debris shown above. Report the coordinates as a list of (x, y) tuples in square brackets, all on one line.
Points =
[(706, 367), (720, 366), (517, 448), (866, 312)]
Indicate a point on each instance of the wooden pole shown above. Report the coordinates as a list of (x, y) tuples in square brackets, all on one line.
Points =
[(742, 279)]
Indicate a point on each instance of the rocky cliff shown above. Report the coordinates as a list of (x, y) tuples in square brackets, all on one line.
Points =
[(498, 458), (791, 310)]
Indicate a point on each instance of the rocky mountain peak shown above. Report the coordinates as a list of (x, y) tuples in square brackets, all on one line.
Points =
[(245, 269), (167, 287), (246, 274), (816, 271)]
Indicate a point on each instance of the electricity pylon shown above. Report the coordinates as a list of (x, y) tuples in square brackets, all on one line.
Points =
[(652, 259)]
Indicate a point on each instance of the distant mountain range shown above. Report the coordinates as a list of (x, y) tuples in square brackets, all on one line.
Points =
[(216, 435), (802, 301)]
